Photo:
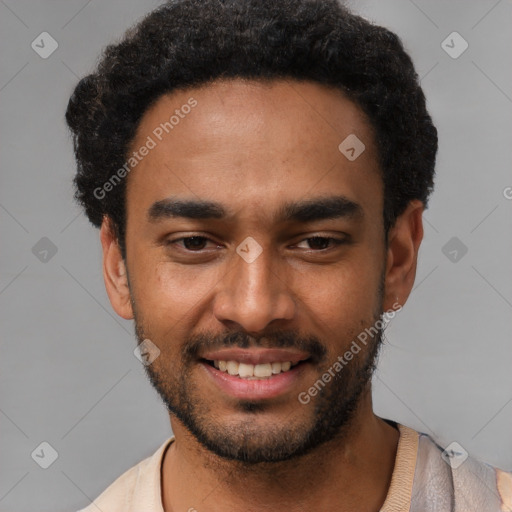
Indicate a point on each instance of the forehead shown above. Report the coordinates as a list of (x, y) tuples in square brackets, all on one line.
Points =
[(253, 146)]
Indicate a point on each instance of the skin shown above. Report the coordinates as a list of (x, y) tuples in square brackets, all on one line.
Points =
[(253, 146)]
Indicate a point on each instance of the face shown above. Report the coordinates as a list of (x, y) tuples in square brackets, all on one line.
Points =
[(256, 255)]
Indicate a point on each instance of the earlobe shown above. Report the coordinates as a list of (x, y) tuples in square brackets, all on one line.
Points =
[(114, 272), (404, 240)]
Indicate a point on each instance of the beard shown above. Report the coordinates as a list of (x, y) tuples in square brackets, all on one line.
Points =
[(330, 412)]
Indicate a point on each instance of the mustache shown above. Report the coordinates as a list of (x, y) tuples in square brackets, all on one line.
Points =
[(284, 339)]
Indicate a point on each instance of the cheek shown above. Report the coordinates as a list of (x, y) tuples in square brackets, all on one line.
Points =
[(167, 294), (345, 302), (349, 290)]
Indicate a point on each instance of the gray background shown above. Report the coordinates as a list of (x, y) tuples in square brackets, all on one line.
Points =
[(68, 375)]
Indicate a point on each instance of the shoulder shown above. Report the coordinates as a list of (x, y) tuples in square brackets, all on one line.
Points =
[(453, 480), (119, 494), (141, 483)]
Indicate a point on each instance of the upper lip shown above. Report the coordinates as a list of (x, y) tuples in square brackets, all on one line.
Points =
[(257, 356)]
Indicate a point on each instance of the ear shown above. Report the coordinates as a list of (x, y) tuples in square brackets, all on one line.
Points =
[(404, 240), (114, 271)]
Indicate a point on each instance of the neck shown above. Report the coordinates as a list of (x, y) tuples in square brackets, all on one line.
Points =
[(350, 472)]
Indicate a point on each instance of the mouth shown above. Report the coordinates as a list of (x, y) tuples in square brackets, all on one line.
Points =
[(249, 371), (255, 374)]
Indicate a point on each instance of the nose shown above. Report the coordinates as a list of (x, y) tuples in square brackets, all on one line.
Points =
[(253, 294)]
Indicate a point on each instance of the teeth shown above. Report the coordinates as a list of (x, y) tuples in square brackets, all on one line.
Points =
[(286, 366), (263, 370), (245, 370), (252, 371), (232, 367)]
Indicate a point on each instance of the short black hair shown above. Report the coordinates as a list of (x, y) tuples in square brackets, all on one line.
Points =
[(189, 43)]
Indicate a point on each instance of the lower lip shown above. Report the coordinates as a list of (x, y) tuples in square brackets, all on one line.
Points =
[(255, 389)]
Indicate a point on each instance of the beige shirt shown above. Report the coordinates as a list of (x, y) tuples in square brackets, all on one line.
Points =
[(421, 482)]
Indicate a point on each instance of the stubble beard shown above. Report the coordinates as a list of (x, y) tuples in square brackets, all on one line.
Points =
[(328, 416)]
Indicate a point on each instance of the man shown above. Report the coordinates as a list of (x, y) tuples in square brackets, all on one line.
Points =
[(258, 171)]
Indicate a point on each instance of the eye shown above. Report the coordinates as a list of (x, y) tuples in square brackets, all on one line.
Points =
[(191, 243), (322, 242), (198, 244)]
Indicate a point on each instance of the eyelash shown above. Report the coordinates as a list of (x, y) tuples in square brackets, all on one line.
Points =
[(336, 241)]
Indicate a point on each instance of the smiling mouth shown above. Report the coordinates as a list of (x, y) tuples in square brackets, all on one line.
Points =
[(249, 371)]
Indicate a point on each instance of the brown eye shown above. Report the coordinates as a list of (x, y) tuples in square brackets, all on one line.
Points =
[(190, 243), (319, 243), (194, 242)]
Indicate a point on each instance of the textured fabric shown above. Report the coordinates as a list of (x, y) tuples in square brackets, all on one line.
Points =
[(471, 487), (421, 482)]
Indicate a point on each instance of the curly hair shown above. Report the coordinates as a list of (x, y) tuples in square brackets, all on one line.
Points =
[(188, 43)]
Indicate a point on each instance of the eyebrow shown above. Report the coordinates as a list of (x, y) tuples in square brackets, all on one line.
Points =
[(310, 210)]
